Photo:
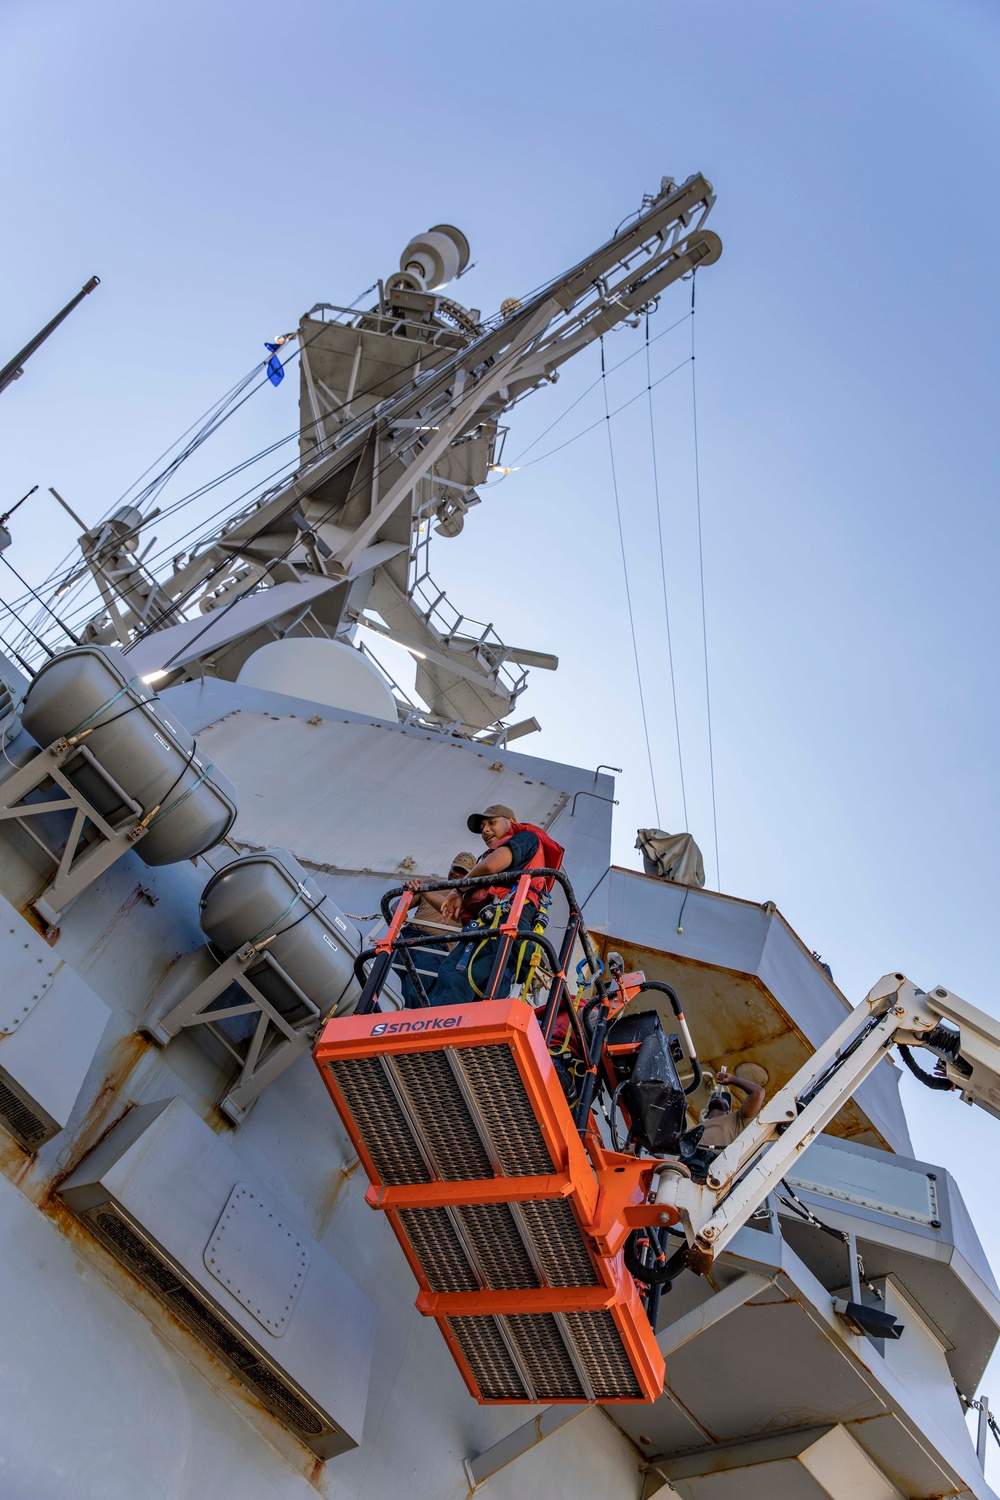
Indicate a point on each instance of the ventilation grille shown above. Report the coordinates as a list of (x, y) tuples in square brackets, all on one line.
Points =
[(556, 1240), (18, 1116), (485, 1352), (447, 1113), (494, 1347), (438, 1249), (380, 1120), (497, 1249), (599, 1344), (429, 1090), (432, 1092), (500, 1246), (506, 1110), (190, 1305), (545, 1356)]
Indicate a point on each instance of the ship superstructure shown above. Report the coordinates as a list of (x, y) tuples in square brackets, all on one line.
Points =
[(204, 802)]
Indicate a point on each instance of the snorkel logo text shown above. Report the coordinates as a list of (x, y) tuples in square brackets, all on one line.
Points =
[(433, 1023)]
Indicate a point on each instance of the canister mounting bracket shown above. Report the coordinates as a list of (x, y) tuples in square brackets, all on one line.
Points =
[(93, 842), (272, 1042)]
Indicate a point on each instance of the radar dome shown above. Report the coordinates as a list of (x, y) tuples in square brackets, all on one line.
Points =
[(321, 671)]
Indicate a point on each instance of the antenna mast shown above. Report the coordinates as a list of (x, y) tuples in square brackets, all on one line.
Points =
[(14, 369)]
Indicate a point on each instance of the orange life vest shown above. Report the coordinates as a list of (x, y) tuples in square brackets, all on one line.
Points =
[(548, 856)]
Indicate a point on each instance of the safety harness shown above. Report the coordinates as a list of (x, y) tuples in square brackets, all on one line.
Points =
[(547, 856)]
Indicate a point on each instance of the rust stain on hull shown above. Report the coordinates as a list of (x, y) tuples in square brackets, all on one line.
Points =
[(734, 1018), (17, 1166), (124, 910), (30, 915), (160, 1318), (101, 1115), (339, 1180), (15, 1162), (40, 1182)]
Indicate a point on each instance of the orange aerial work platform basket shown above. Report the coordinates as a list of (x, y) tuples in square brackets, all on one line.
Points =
[(513, 1216), (514, 1236)]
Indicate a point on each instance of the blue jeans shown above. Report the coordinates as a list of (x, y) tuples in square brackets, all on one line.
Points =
[(426, 959), (455, 984)]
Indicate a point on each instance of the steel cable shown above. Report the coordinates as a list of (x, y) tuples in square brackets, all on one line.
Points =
[(701, 576), (628, 591), (207, 425), (592, 386), (630, 402), (663, 574)]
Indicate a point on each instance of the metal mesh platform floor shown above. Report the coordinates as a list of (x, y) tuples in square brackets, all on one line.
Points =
[(470, 1148)]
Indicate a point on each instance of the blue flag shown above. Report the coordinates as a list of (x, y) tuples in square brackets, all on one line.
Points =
[(275, 369)]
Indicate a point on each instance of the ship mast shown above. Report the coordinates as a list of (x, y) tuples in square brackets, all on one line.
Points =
[(401, 409)]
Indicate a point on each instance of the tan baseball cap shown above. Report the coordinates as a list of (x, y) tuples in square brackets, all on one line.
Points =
[(497, 810), (464, 861)]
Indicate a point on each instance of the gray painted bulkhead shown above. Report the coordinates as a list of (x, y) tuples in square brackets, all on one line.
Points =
[(106, 1394)]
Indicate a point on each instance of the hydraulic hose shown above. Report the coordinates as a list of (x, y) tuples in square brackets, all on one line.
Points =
[(588, 1089), (510, 878), (929, 1080), (654, 1275), (675, 1005)]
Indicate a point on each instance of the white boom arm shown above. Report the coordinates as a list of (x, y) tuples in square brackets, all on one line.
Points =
[(966, 1040)]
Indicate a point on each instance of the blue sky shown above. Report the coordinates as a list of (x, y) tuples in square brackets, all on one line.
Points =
[(222, 168)]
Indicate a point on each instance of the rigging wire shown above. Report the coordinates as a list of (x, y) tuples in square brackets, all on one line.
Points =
[(628, 591), (391, 453), (630, 402), (84, 577), (701, 577), (515, 462), (485, 327), (358, 486), (363, 483), (213, 412), (212, 424), (388, 457), (242, 593), (224, 401), (978, 1405), (87, 606), (216, 420), (338, 505), (36, 638), (279, 475), (218, 414), (207, 423), (58, 575), (8, 647), (74, 638), (663, 574)]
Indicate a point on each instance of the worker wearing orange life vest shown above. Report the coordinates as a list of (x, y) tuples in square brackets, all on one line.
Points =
[(513, 847)]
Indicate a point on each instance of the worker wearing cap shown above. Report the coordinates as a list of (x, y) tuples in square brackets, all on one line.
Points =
[(427, 918), (512, 848), (428, 913), (721, 1123)]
